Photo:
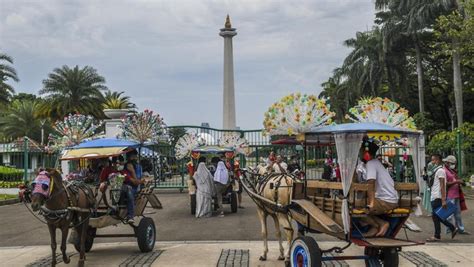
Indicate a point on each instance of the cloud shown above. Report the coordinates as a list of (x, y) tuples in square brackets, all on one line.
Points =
[(167, 55)]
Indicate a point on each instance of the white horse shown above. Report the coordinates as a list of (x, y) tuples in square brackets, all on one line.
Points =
[(276, 188)]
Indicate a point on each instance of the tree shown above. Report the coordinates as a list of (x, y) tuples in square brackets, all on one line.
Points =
[(69, 91), (455, 33), (115, 100), (412, 18), (20, 119), (175, 133), (7, 72)]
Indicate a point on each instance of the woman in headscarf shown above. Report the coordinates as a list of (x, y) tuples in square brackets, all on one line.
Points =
[(221, 180), (205, 191)]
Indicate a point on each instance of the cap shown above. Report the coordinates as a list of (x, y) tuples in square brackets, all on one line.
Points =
[(450, 159)]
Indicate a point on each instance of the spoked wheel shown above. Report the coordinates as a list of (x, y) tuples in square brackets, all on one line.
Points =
[(305, 252), (381, 257), (90, 235), (193, 203), (146, 234)]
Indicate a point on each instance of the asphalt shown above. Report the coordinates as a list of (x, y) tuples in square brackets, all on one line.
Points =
[(175, 223)]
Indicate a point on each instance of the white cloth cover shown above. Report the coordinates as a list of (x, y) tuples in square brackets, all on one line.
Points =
[(221, 175), (418, 148), (347, 147), (205, 191)]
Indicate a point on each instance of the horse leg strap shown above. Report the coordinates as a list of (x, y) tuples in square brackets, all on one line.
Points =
[(79, 209)]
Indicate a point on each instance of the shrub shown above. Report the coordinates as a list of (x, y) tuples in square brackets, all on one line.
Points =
[(10, 174)]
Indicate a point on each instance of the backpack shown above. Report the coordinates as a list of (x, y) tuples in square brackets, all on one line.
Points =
[(429, 179)]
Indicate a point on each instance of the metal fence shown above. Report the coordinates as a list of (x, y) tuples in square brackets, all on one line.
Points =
[(19, 159)]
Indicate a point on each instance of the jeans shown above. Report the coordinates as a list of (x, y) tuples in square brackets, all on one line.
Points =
[(456, 217), (435, 204), (130, 201)]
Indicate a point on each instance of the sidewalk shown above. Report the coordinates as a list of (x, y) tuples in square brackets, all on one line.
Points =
[(207, 253)]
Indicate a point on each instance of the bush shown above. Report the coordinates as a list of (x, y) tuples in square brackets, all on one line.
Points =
[(10, 174), (445, 141), (5, 184)]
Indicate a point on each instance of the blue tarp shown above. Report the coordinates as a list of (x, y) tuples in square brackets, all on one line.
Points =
[(107, 142)]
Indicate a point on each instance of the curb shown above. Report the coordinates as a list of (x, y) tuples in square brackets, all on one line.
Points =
[(9, 201)]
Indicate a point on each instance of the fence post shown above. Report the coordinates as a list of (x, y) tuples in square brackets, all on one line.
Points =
[(25, 159), (459, 150)]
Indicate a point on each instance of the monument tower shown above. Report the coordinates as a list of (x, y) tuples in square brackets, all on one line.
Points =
[(229, 96)]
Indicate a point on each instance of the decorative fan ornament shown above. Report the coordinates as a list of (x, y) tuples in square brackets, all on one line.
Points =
[(143, 127), (296, 113), (72, 130), (233, 140), (186, 144), (381, 111)]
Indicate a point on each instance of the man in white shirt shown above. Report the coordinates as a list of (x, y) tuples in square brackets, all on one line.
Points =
[(280, 166), (381, 195), (438, 199)]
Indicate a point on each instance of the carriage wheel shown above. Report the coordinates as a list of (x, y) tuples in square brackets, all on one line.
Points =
[(193, 203), (146, 234), (305, 252), (233, 202), (90, 235)]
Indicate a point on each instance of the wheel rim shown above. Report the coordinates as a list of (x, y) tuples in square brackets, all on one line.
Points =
[(150, 235), (300, 256)]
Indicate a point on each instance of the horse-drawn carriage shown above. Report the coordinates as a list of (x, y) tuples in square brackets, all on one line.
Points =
[(213, 154), (336, 208), (111, 208)]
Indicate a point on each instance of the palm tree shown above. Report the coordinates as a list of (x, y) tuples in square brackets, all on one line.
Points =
[(76, 90), (20, 119), (411, 18), (7, 72), (364, 65), (115, 100)]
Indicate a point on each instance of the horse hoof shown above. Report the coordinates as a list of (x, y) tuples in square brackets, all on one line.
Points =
[(80, 263), (66, 260), (281, 258), (262, 258), (287, 263)]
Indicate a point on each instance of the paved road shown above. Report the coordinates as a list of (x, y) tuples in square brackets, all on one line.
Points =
[(175, 223)]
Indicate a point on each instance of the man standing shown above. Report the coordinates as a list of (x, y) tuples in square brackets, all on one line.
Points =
[(438, 199)]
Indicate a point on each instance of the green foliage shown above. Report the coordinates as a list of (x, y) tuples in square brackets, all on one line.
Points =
[(445, 141), (71, 91), (21, 119), (9, 174), (455, 31), (7, 72), (115, 100)]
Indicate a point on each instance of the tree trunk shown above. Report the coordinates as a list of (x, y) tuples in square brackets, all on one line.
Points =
[(457, 83), (419, 72)]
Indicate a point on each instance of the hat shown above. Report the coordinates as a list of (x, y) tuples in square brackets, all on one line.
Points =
[(450, 159)]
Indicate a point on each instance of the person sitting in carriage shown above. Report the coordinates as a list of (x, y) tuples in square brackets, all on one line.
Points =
[(133, 175), (382, 195)]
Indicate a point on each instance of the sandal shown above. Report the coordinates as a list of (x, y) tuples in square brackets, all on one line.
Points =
[(433, 239), (221, 215)]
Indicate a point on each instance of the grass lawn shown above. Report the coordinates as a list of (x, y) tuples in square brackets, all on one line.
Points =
[(5, 196)]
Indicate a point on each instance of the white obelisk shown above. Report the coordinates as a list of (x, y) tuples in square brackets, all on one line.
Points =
[(229, 96)]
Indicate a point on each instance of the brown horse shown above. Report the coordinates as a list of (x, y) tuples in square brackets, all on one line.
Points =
[(275, 188), (62, 206)]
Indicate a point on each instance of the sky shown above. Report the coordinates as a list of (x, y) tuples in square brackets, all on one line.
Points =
[(168, 55)]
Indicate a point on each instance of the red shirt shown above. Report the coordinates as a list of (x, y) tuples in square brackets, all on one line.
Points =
[(106, 171)]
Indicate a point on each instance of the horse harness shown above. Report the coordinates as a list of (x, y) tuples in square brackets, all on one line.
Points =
[(71, 189)]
